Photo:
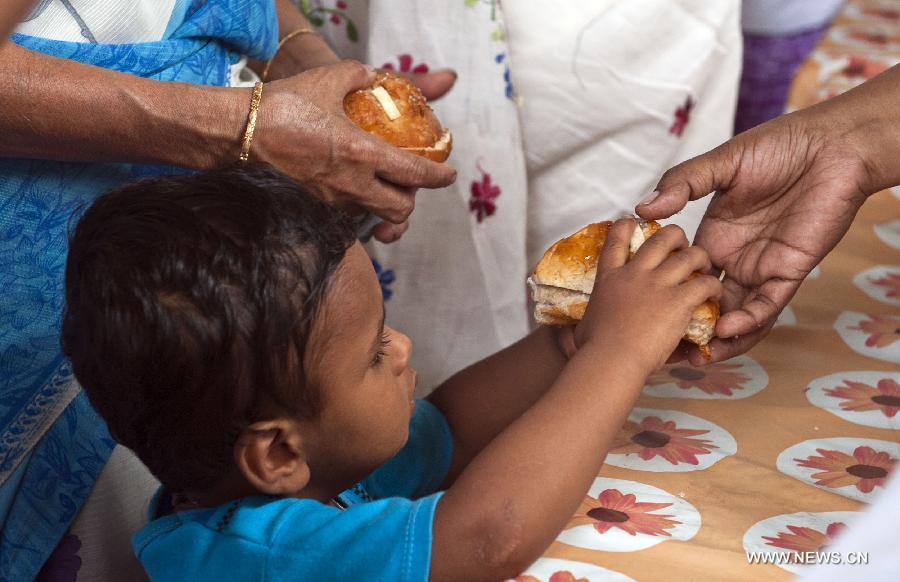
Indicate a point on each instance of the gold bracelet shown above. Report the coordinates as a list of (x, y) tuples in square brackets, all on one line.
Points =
[(281, 43), (251, 121)]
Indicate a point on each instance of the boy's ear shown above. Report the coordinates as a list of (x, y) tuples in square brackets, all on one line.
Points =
[(270, 455)]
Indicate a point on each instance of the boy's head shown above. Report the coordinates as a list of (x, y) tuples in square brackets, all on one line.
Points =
[(229, 329)]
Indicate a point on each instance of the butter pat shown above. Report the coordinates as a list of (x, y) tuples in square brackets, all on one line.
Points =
[(386, 102)]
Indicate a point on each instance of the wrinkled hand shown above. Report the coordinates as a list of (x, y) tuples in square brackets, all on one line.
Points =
[(303, 131), (785, 194)]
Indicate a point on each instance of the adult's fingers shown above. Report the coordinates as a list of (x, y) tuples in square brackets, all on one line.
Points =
[(387, 201), (434, 84), (689, 180), (388, 232), (409, 170), (614, 253), (657, 249), (681, 353), (348, 76), (759, 309), (725, 348)]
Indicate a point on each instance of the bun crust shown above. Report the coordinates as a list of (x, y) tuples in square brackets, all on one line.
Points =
[(416, 130), (563, 279)]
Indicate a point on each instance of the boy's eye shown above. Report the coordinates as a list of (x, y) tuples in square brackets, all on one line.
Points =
[(382, 346)]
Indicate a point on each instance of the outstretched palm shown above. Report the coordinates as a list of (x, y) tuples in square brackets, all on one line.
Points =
[(784, 197)]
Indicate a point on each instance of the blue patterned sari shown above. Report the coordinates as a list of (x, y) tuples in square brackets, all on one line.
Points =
[(52, 444)]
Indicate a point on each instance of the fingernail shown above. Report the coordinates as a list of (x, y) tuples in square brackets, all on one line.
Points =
[(649, 198)]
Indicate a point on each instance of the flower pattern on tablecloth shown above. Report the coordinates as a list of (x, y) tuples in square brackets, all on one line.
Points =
[(624, 516), (795, 532), (851, 467), (876, 336), (653, 437), (884, 396), (881, 283), (669, 441), (889, 232), (805, 539), (612, 509), (738, 377), (558, 570), (558, 576)]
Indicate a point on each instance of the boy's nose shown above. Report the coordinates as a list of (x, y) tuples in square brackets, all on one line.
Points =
[(404, 350)]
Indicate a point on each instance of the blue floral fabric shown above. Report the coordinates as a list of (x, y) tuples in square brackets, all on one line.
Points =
[(38, 201)]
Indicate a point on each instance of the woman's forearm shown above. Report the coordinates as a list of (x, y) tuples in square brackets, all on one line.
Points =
[(60, 109)]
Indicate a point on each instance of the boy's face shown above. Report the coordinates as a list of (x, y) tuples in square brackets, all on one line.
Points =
[(361, 367)]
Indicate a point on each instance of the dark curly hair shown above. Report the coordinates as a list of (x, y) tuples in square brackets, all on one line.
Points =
[(189, 301)]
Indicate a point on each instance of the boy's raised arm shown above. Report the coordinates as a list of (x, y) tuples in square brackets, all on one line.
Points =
[(516, 495)]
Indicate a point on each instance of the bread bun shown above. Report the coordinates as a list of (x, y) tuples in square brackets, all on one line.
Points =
[(395, 110), (561, 283)]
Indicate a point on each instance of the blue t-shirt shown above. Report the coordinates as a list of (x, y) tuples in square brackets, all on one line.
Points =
[(384, 534)]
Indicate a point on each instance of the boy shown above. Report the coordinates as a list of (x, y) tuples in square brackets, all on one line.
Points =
[(231, 331)]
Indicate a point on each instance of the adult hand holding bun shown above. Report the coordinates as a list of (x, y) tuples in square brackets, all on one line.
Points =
[(563, 279), (304, 131), (395, 110)]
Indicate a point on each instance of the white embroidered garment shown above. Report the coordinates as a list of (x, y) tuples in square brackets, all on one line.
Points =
[(596, 138), (456, 281), (613, 94), (101, 21)]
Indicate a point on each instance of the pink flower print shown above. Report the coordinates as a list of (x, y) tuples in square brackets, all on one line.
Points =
[(682, 117), (483, 195), (341, 5), (405, 62)]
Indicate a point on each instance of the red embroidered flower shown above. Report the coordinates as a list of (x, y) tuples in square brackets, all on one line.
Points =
[(405, 62), (861, 397), (655, 437), (865, 469), (483, 195), (613, 509), (682, 117)]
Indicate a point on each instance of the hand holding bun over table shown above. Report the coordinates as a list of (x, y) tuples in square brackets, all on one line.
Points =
[(568, 280)]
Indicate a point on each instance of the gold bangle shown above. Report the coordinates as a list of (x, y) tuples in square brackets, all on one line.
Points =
[(251, 121), (281, 43)]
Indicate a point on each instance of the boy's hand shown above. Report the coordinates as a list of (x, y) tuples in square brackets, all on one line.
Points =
[(643, 306)]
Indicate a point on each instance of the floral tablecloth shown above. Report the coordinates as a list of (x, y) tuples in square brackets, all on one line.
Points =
[(779, 449)]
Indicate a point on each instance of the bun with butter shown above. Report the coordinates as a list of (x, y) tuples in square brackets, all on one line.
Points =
[(561, 283), (395, 110)]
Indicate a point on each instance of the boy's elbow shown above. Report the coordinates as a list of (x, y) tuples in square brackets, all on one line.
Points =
[(495, 547)]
